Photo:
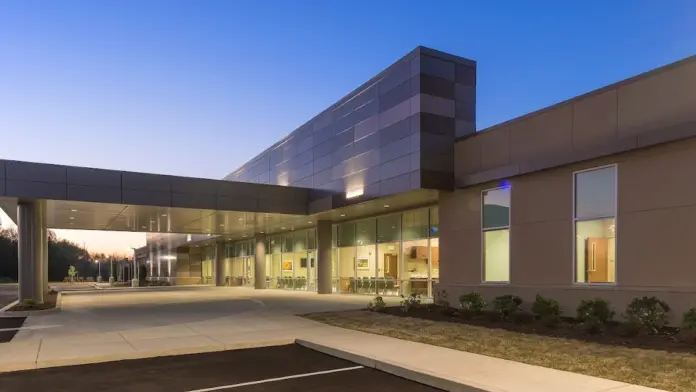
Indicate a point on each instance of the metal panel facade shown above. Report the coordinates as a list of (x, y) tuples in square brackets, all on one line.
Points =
[(394, 133)]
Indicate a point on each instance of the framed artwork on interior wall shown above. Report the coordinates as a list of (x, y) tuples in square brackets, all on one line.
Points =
[(363, 263), (287, 265)]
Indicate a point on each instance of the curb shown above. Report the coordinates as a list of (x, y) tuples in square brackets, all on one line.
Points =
[(4, 312), (22, 366), (399, 371)]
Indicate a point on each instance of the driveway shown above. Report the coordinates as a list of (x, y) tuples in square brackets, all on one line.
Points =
[(126, 310)]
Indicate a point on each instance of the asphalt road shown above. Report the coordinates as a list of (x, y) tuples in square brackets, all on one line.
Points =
[(277, 369)]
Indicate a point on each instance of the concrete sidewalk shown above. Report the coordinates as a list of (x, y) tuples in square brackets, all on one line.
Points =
[(274, 323)]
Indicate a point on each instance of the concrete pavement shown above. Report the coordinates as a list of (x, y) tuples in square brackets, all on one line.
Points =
[(107, 326)]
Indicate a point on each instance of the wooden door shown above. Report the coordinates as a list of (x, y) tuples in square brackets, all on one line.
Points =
[(597, 260), (391, 266)]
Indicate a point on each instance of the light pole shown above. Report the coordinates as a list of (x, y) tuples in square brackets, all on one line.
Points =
[(135, 282), (111, 269), (99, 278)]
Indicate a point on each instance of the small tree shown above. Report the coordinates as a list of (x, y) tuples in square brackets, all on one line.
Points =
[(72, 272)]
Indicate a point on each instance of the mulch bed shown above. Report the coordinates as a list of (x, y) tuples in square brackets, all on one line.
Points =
[(613, 334), (49, 303)]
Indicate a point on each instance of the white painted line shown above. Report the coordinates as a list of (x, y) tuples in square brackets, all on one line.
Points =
[(29, 328), (244, 384)]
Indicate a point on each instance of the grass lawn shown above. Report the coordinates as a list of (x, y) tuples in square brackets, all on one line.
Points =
[(651, 368)]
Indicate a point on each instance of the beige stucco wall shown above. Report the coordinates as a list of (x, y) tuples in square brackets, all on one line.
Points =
[(634, 113), (656, 232)]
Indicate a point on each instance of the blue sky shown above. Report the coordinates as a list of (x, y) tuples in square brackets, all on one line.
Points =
[(197, 88)]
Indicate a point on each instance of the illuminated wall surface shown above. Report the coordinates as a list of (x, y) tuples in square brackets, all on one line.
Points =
[(392, 134)]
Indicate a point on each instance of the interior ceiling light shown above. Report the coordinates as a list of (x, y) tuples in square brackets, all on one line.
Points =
[(164, 215), (72, 217), (343, 214), (386, 206), (309, 222), (73, 210)]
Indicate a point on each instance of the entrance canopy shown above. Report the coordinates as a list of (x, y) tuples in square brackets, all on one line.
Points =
[(98, 199)]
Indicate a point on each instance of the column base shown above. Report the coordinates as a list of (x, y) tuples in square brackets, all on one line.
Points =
[(135, 282)]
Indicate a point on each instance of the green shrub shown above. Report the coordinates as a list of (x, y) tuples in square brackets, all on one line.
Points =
[(472, 303), (442, 299), (377, 304), (647, 312), (594, 314), (410, 302), (689, 320), (547, 310), (506, 306)]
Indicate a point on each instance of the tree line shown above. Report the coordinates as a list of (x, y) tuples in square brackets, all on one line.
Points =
[(61, 255)]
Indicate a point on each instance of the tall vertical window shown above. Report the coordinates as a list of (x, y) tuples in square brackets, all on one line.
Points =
[(495, 225), (594, 216)]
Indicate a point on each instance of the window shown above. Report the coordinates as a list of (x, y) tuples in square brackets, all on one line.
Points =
[(594, 220), (495, 225), (415, 224), (389, 228)]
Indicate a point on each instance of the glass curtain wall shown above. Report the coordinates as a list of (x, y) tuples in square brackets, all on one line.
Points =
[(239, 266), (388, 255), (290, 261)]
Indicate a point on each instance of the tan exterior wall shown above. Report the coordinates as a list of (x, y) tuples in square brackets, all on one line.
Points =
[(653, 108), (656, 232)]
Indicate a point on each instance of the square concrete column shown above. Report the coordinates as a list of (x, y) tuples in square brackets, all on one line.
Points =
[(44, 267), (219, 264), (38, 244), (260, 261), (324, 284), (26, 212)]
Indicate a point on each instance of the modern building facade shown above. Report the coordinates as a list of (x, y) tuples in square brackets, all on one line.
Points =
[(589, 197), (392, 190)]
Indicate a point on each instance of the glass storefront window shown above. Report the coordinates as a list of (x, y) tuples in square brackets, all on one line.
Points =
[(365, 232), (434, 221), (414, 276), (288, 242), (389, 228), (346, 266), (312, 239), (346, 235), (415, 224), (276, 244), (300, 241)]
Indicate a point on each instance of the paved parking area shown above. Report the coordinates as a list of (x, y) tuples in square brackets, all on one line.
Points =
[(277, 369), (9, 326)]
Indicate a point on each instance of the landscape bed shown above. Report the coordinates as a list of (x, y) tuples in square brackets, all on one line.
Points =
[(663, 357)]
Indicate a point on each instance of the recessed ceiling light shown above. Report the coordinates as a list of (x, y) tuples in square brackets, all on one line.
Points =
[(343, 214), (261, 232), (244, 236), (72, 217), (282, 228), (73, 210), (241, 219), (309, 222), (164, 215), (386, 206)]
